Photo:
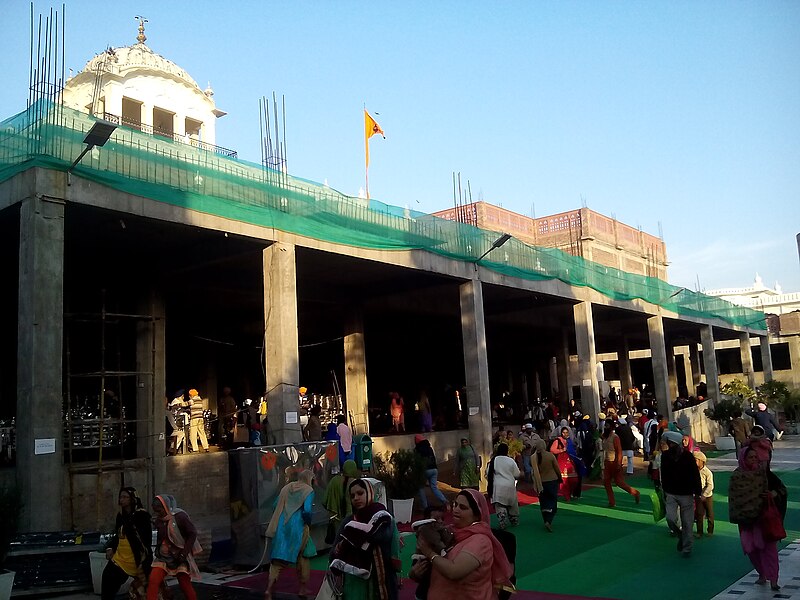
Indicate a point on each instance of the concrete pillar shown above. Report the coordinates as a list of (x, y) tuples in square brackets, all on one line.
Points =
[(552, 365), (355, 370), (281, 340), (766, 358), (710, 362), (624, 363), (694, 360), (658, 357), (747, 360), (672, 373), (40, 333), (587, 359), (476, 368), (688, 375), (794, 358), (150, 388), (562, 367)]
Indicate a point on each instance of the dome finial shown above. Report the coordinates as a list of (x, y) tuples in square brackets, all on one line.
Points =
[(141, 37)]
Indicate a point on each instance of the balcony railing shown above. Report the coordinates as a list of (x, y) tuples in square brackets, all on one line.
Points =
[(181, 139)]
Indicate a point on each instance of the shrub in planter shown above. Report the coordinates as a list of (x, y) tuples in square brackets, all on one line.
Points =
[(723, 411), (403, 473)]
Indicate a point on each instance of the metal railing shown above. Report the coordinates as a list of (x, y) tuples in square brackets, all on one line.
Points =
[(181, 139)]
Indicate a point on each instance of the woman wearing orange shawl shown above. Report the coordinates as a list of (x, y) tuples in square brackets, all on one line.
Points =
[(176, 544), (476, 568)]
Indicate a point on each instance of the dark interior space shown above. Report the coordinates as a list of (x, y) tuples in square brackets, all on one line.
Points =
[(9, 268)]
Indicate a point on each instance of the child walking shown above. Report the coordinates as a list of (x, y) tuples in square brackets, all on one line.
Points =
[(704, 504)]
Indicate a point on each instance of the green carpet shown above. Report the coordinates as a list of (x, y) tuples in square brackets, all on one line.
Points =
[(621, 553)]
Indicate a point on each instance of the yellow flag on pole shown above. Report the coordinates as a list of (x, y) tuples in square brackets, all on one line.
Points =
[(371, 128)]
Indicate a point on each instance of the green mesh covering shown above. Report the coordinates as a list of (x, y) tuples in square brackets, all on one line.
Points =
[(182, 175)]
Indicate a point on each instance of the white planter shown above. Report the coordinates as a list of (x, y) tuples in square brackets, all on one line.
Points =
[(724, 442), (402, 510), (6, 583), (97, 563)]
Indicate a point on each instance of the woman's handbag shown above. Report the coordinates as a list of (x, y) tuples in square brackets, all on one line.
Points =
[(771, 522)]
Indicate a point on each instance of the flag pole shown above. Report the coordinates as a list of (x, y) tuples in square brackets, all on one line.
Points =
[(366, 153)]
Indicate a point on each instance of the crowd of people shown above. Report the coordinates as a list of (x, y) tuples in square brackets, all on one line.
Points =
[(457, 550)]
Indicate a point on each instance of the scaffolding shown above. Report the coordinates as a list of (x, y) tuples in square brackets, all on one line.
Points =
[(90, 427)]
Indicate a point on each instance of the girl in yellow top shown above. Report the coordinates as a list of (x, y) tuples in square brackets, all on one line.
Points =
[(128, 553)]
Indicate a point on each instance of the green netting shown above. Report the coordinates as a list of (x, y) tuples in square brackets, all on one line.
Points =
[(182, 175)]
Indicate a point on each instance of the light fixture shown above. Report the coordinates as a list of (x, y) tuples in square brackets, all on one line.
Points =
[(98, 135), (495, 244)]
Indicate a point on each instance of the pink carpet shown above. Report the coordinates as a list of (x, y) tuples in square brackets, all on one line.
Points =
[(288, 584)]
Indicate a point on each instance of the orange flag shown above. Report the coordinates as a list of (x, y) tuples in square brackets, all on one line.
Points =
[(371, 128)]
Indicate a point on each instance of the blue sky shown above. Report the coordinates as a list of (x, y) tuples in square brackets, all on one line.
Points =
[(679, 114)]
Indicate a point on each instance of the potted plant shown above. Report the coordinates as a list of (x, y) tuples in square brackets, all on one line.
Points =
[(722, 412), (403, 474), (10, 513)]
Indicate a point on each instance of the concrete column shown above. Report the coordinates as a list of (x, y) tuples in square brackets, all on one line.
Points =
[(624, 363), (355, 370), (476, 368), (562, 367), (658, 357), (710, 362), (151, 384), (40, 333), (147, 114), (794, 358), (552, 365), (694, 360), (766, 358), (747, 359), (688, 376), (282, 355), (587, 359), (672, 375)]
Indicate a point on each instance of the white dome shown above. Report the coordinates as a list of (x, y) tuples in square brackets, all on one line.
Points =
[(120, 61)]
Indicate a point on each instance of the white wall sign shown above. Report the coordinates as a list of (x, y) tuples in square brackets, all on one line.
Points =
[(473, 410), (587, 383), (44, 446), (291, 417)]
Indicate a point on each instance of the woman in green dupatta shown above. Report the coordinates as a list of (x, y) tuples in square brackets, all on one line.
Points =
[(365, 560), (467, 466), (337, 499)]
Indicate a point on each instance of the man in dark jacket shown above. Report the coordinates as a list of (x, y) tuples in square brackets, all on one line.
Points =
[(766, 420), (680, 480)]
